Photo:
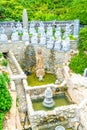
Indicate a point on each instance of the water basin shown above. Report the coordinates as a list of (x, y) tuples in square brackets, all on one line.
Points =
[(60, 100)]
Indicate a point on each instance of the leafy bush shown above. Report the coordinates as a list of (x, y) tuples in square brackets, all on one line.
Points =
[(1, 55), (4, 62), (5, 98), (1, 119), (79, 63), (44, 10), (83, 39)]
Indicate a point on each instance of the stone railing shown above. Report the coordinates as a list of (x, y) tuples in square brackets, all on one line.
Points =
[(73, 23), (61, 23)]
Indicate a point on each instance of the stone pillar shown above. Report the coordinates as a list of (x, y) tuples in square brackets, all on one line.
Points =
[(76, 28), (25, 19)]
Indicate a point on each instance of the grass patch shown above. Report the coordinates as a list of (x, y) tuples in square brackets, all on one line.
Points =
[(47, 79)]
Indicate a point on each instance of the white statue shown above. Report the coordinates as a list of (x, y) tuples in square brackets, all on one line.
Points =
[(66, 44), (15, 37), (3, 38)]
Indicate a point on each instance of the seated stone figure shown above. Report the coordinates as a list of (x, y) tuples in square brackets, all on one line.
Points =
[(3, 38), (25, 37), (39, 65), (15, 37)]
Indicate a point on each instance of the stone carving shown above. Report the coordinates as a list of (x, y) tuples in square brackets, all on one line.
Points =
[(58, 32), (2, 30), (25, 19), (76, 28), (67, 31), (34, 40), (49, 31), (3, 38), (15, 37), (48, 100), (42, 40), (32, 28), (29, 60), (39, 64), (66, 44), (57, 45), (50, 42), (41, 29), (19, 27), (25, 36)]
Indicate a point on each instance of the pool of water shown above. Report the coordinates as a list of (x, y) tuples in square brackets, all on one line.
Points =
[(60, 100)]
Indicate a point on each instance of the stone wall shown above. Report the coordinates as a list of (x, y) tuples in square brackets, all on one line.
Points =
[(38, 91), (77, 85), (19, 48), (41, 120), (54, 65), (16, 48)]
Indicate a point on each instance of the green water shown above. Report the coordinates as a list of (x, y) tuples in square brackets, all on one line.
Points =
[(60, 100)]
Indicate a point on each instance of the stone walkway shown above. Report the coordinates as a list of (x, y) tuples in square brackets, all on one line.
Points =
[(20, 95)]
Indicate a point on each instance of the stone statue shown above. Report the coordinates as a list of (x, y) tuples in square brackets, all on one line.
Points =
[(48, 100), (39, 64)]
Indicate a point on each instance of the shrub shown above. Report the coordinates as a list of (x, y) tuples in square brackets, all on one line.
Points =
[(82, 46), (5, 98), (1, 119), (4, 62), (79, 63), (44, 10), (1, 55)]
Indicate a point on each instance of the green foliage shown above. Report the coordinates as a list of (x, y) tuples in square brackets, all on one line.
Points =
[(5, 98), (4, 62), (44, 10), (79, 63), (71, 37), (47, 79), (83, 39), (78, 10), (1, 55), (1, 119)]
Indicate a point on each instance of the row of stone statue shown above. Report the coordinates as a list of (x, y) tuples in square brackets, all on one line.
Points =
[(52, 38), (50, 43)]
